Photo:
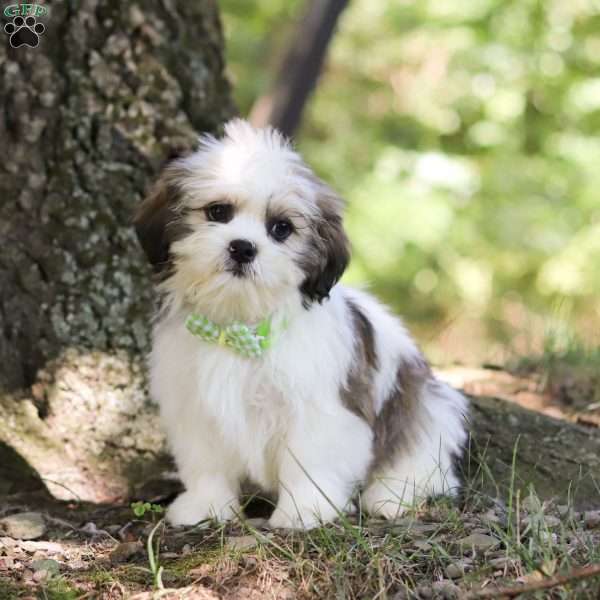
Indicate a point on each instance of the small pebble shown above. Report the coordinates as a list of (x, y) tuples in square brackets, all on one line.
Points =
[(478, 541), (23, 526), (551, 521), (43, 547), (446, 589), (46, 564), (591, 518), (425, 592), (422, 545), (490, 517), (243, 542), (7, 542), (455, 570), (41, 575), (415, 528), (500, 562)]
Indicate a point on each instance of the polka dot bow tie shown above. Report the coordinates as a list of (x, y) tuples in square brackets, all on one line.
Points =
[(248, 341)]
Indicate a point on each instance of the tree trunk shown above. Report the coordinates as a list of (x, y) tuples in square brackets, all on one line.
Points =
[(300, 69), (87, 117)]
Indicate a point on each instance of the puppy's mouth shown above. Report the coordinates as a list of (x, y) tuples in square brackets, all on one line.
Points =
[(240, 270)]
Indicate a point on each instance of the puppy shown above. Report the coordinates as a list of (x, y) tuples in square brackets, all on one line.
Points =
[(267, 370)]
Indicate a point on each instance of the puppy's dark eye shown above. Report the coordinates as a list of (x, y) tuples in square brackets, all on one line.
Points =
[(281, 229), (219, 213)]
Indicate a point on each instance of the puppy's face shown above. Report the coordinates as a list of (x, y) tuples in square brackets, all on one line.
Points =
[(241, 225)]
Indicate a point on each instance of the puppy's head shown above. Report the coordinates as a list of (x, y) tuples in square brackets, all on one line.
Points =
[(241, 225)]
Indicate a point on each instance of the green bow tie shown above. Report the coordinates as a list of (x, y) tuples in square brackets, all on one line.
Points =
[(248, 341)]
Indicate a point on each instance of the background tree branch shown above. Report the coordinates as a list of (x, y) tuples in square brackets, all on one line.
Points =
[(300, 68)]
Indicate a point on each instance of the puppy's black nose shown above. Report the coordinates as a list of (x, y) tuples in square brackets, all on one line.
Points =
[(242, 251)]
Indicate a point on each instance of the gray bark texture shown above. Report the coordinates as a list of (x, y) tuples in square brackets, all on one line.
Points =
[(88, 116)]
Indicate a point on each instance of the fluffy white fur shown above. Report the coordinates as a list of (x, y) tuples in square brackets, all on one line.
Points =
[(280, 420)]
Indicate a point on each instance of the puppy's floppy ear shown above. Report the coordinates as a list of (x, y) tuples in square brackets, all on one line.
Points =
[(157, 220), (329, 251)]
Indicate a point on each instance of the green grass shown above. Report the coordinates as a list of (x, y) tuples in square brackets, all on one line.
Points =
[(58, 588), (8, 590), (370, 558), (569, 370)]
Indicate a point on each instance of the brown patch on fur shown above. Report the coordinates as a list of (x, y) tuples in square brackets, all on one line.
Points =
[(366, 332), (396, 426), (329, 252), (357, 393), (157, 222)]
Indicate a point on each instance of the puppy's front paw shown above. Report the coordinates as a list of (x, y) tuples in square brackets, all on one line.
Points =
[(280, 519), (304, 509), (191, 507)]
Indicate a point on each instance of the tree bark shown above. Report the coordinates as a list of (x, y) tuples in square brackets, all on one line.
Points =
[(300, 69), (87, 117)]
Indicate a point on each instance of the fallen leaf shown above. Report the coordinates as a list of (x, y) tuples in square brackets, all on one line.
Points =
[(124, 551)]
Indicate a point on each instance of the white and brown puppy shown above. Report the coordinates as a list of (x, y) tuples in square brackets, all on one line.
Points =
[(267, 371)]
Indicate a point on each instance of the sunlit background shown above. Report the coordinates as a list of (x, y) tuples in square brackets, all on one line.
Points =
[(464, 136)]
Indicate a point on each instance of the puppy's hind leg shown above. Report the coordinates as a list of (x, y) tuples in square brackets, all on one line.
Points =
[(425, 467), (324, 460)]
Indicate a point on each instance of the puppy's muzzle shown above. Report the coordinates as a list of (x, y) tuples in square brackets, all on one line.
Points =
[(242, 251)]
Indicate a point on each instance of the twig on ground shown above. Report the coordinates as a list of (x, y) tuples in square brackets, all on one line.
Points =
[(544, 584)]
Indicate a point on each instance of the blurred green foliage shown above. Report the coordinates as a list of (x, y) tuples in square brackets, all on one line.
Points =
[(464, 135)]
